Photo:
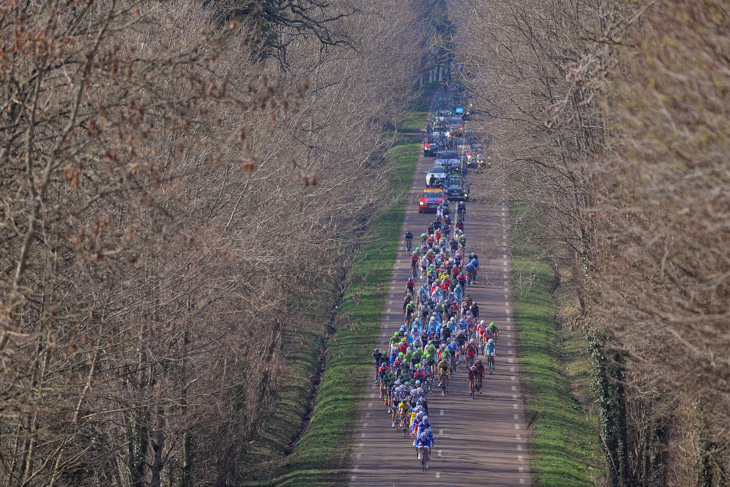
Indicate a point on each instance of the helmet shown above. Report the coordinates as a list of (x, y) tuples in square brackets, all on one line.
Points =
[(473, 340), (425, 419), (397, 382), (409, 295), (482, 322), (424, 435), (376, 350), (491, 341), (418, 382), (479, 361), (419, 390), (473, 367)]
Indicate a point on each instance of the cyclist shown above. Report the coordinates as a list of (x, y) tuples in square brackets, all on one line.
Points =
[(377, 357), (480, 374), (444, 366), (462, 242), (461, 210), (471, 273), (495, 330), (490, 352), (409, 240), (471, 351), (473, 374), (414, 263), (424, 443)]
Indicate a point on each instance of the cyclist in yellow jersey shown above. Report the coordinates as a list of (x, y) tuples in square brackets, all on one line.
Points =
[(404, 410), (444, 366)]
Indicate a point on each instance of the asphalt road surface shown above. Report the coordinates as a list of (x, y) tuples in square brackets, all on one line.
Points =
[(481, 441)]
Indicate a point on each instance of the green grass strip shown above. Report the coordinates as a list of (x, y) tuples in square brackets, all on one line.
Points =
[(322, 453), (555, 369)]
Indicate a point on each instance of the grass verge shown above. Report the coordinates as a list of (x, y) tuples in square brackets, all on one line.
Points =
[(556, 374), (320, 456)]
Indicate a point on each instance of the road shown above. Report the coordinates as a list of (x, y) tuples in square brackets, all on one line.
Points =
[(479, 441)]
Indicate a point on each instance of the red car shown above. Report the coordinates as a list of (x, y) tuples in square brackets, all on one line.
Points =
[(430, 199)]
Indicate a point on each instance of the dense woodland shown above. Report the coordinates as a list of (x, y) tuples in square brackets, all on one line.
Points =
[(184, 183), (610, 124)]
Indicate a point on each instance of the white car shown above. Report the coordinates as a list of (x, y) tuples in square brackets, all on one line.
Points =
[(438, 173), (447, 159)]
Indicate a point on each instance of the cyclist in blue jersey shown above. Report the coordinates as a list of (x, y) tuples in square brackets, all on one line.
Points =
[(424, 443), (490, 351)]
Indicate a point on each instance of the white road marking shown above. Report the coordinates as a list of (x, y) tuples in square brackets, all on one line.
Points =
[(387, 310), (520, 458), (522, 469), (353, 478), (513, 378), (517, 426), (504, 256), (438, 475), (365, 425), (441, 432), (361, 445), (509, 319), (518, 437), (510, 360), (441, 413), (506, 303), (522, 481), (390, 302), (372, 395), (363, 435), (507, 310), (370, 404), (439, 452), (514, 388), (509, 352), (356, 468), (367, 415), (514, 397), (511, 369), (517, 416), (387, 318), (519, 447), (358, 456), (506, 289), (515, 406)]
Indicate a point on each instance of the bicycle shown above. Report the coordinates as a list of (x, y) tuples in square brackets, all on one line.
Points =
[(472, 388), (490, 362), (404, 424), (409, 243), (425, 453), (442, 383), (471, 275)]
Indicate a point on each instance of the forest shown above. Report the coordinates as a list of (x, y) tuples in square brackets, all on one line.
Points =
[(185, 186), (610, 123)]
